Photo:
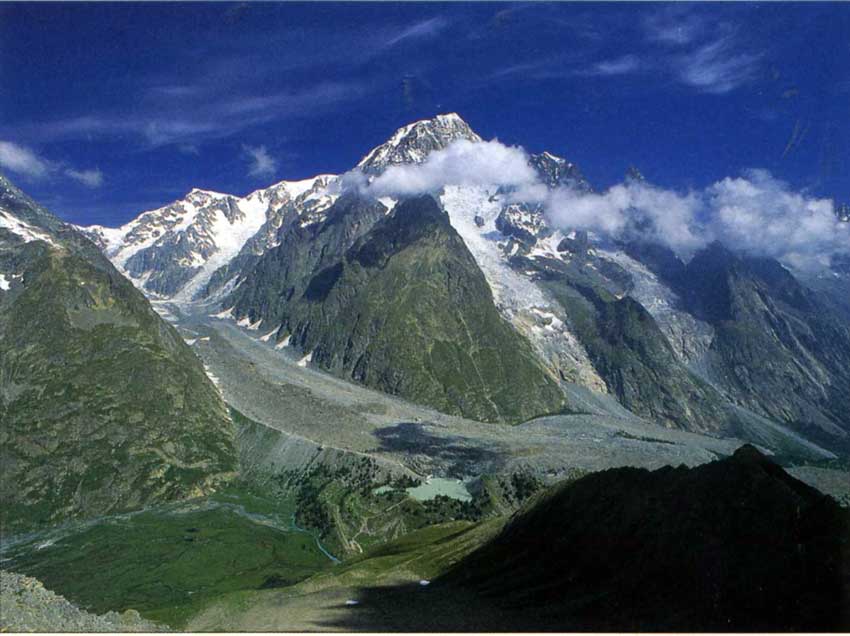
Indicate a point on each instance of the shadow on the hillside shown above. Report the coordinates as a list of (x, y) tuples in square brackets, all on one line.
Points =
[(459, 456), (416, 608)]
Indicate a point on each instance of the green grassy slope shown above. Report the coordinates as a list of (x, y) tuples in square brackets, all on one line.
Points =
[(103, 406)]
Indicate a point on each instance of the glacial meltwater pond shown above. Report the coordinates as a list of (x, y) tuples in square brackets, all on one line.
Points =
[(434, 487), (440, 486)]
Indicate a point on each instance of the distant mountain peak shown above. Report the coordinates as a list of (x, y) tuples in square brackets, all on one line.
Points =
[(206, 194), (556, 171), (414, 142), (634, 175)]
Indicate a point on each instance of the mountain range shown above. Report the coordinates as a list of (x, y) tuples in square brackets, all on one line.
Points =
[(726, 344), (417, 384)]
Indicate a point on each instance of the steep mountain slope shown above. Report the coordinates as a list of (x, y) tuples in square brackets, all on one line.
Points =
[(402, 308), (570, 298), (778, 348), (103, 406), (734, 545)]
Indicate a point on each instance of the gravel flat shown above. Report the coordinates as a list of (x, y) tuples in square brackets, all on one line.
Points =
[(269, 385)]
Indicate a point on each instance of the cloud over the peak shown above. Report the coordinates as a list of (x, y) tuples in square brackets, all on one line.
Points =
[(461, 163), (763, 215), (754, 213)]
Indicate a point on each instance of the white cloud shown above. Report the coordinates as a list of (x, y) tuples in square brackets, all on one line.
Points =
[(262, 163), (754, 213), (620, 66), (22, 160), (760, 214), (716, 67), (676, 25), (631, 210), (91, 178), (424, 29), (461, 163)]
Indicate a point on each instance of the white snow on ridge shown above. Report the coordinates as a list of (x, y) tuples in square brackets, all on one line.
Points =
[(213, 378), (201, 217), (283, 343), (229, 239), (388, 202), (269, 335), (224, 315), (26, 231), (5, 283)]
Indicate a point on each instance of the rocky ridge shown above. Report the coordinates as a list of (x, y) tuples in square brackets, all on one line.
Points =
[(26, 606)]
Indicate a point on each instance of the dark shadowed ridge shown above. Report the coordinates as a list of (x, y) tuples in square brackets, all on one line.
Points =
[(734, 545)]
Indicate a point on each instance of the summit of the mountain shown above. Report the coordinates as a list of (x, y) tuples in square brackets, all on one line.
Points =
[(413, 143)]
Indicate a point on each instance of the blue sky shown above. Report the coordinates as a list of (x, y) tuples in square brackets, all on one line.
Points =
[(110, 109)]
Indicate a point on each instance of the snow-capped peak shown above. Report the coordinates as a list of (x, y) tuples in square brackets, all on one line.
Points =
[(412, 143), (553, 158), (205, 194), (173, 251)]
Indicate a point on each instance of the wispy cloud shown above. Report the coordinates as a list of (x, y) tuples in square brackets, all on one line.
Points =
[(22, 161), (717, 67), (674, 25), (262, 164), (233, 84), (624, 65), (25, 162), (91, 178), (701, 51), (188, 122), (424, 29), (681, 44)]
